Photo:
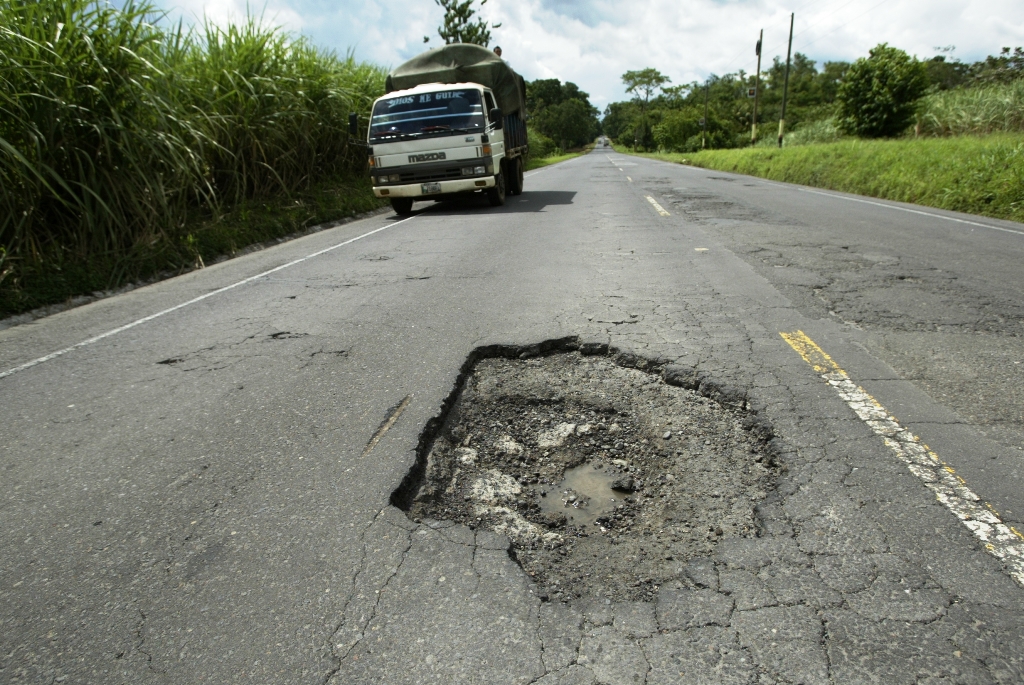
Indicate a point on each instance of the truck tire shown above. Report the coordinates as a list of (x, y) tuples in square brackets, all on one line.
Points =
[(515, 185), (497, 194), (402, 205)]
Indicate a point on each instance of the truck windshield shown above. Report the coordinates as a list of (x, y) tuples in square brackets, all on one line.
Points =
[(424, 114)]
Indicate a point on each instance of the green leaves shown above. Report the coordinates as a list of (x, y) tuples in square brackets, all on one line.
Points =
[(114, 129), (460, 26), (562, 113), (878, 95), (644, 82)]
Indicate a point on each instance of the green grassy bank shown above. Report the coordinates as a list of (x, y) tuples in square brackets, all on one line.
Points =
[(538, 162), (974, 174), (201, 241), (130, 146)]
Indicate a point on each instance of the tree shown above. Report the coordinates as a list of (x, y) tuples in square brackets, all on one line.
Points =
[(460, 25), (561, 112), (644, 83), (572, 123), (878, 95), (617, 121)]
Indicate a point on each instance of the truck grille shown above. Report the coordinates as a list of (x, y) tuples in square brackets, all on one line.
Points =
[(432, 175)]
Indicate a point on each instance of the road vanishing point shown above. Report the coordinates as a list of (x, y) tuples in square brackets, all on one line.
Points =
[(199, 475)]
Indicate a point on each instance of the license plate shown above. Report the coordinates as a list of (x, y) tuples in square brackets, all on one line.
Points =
[(430, 188)]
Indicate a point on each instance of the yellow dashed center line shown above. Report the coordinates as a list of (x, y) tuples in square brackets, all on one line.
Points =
[(1001, 540), (654, 203)]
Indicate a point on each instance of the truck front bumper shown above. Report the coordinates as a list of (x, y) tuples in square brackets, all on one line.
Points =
[(462, 185)]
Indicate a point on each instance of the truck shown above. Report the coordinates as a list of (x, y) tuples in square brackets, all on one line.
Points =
[(453, 121)]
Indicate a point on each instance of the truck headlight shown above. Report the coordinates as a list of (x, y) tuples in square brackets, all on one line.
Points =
[(395, 178)]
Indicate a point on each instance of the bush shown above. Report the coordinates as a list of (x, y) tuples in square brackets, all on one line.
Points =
[(877, 96), (821, 131), (985, 109), (540, 144), (680, 131)]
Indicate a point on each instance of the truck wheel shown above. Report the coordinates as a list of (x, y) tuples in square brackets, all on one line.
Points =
[(515, 185), (402, 205), (497, 194)]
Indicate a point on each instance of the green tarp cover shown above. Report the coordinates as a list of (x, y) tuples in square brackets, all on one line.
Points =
[(463, 63)]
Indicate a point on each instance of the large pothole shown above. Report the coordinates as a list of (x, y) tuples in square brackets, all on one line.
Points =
[(606, 479)]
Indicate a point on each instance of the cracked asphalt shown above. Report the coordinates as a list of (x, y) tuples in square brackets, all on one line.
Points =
[(191, 499)]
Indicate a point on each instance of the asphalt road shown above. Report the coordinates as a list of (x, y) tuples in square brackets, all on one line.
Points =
[(192, 498)]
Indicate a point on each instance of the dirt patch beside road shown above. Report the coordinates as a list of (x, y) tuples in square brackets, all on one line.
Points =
[(607, 479)]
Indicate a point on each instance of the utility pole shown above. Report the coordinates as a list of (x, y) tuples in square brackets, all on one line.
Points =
[(757, 90), (785, 88), (704, 125)]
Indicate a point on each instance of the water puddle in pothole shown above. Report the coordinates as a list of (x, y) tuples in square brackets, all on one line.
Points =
[(583, 496)]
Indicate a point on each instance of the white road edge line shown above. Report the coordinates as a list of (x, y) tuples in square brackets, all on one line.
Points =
[(1002, 541), (676, 165), (911, 211), (218, 291)]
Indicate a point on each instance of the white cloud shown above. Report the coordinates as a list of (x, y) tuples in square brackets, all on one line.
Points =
[(275, 13), (593, 42)]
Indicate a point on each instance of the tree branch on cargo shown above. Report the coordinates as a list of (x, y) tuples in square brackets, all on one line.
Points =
[(459, 23)]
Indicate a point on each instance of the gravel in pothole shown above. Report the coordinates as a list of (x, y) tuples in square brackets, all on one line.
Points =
[(606, 479)]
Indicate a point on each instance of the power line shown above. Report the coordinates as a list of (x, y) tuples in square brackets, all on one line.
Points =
[(843, 25), (738, 55), (831, 14), (811, 26)]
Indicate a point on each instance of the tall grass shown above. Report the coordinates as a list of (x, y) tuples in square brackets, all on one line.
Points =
[(983, 109), (117, 129), (95, 154), (807, 133)]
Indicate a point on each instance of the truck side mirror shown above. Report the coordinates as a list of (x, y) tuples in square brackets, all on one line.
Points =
[(497, 119), (353, 124)]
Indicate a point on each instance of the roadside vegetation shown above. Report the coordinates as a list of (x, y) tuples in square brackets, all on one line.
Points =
[(563, 123), (129, 147), (534, 162), (940, 132), (886, 94)]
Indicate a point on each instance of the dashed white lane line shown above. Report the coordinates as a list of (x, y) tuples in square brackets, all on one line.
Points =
[(654, 203), (194, 300), (1004, 542), (629, 178)]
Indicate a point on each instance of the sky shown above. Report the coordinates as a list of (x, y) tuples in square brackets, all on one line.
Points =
[(593, 42)]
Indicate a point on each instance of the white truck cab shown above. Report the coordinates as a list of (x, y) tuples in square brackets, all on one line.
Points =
[(437, 140)]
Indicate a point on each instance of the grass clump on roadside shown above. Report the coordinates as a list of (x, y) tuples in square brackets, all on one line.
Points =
[(126, 146), (979, 110), (973, 174)]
